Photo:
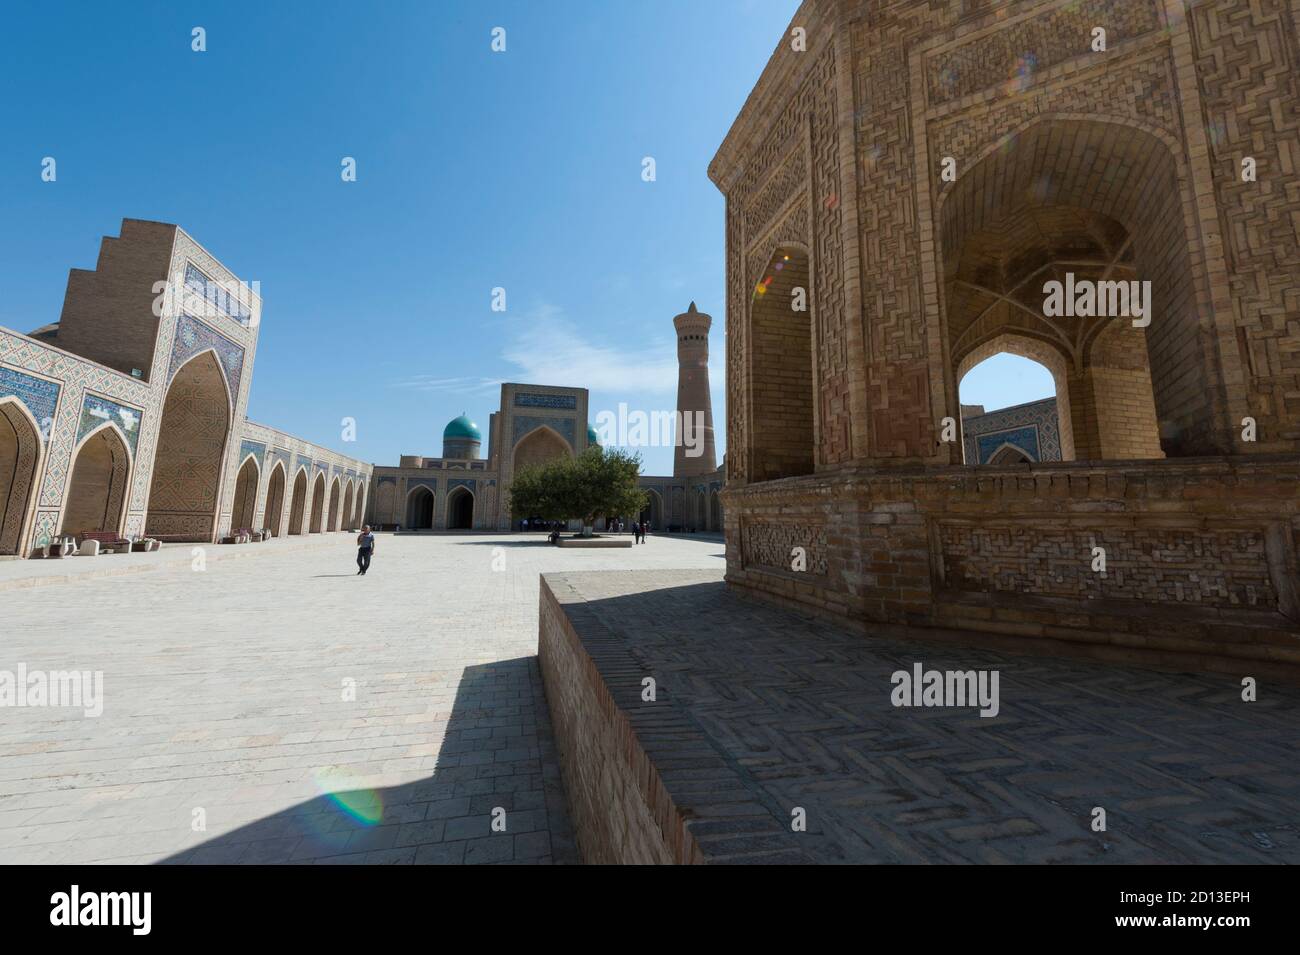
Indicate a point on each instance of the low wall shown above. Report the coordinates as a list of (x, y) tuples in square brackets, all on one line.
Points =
[(1200, 554), (641, 779)]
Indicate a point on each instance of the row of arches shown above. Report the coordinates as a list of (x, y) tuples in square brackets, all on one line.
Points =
[(342, 509), (703, 511), (458, 509), (1068, 201), (185, 489), (97, 489)]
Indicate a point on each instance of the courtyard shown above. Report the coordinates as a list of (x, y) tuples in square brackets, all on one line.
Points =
[(298, 712)]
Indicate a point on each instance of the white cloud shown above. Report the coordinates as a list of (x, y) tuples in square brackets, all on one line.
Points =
[(460, 386), (547, 349)]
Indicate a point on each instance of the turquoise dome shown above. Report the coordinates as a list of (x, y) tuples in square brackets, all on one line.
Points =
[(592, 436), (462, 428)]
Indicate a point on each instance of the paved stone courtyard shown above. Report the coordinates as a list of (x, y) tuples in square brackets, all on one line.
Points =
[(224, 693), (784, 711)]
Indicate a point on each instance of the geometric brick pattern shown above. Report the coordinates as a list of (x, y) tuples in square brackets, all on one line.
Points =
[(1208, 567), (760, 710), (772, 547)]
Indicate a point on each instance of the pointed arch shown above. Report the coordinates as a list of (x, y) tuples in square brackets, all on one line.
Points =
[(248, 483), (715, 512), (22, 455), (419, 508), (460, 508), (359, 515), (99, 478), (654, 510), (273, 513), (336, 497), (318, 503), (348, 506), (298, 508), (541, 445), (1008, 453), (185, 491)]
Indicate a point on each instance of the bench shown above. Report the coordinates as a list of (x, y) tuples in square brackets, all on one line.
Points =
[(107, 540)]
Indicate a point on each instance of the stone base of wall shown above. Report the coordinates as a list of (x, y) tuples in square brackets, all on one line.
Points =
[(1200, 557), (640, 776)]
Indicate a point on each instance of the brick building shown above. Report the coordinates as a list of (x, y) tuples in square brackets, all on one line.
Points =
[(913, 175), (127, 416), (462, 490)]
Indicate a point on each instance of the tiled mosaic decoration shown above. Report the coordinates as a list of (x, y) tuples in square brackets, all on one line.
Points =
[(192, 337), (255, 449), (215, 295), (1031, 427), (558, 402), (524, 424), (40, 396), (96, 411)]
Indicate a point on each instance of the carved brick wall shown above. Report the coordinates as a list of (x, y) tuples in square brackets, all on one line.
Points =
[(771, 546), (1210, 567)]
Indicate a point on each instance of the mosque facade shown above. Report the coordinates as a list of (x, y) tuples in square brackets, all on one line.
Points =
[(127, 417), (466, 488)]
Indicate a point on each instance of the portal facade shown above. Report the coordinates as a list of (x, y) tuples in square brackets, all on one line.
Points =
[(127, 415), (918, 173)]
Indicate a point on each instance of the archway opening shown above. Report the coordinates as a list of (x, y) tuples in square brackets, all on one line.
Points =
[(359, 515), (540, 446), (1070, 239), (653, 512), (781, 369), (348, 522), (245, 507), (298, 505), (332, 524), (460, 509), (318, 504), (419, 509), (97, 492), (275, 501), (1010, 401), (715, 512), (185, 492), (20, 449)]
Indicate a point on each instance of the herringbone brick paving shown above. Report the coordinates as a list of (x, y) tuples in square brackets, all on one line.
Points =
[(1186, 771)]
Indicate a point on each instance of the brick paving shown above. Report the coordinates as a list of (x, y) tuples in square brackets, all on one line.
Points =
[(224, 693), (792, 711)]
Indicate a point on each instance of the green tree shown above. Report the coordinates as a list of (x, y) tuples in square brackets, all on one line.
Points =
[(597, 483)]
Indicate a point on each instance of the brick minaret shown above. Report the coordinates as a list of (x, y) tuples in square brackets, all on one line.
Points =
[(693, 392)]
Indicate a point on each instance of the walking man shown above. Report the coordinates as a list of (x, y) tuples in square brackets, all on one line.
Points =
[(365, 549)]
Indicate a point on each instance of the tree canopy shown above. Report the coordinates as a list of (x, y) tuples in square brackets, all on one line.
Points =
[(597, 483)]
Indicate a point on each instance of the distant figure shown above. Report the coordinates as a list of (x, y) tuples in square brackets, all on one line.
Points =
[(638, 532), (525, 524), (554, 537), (365, 549)]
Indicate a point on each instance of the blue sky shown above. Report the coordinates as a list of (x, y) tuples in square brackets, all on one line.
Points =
[(475, 170)]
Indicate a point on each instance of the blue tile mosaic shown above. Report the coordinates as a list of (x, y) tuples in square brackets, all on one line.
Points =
[(40, 396), (559, 402), (95, 411), (1024, 438), (523, 424), (212, 292), (192, 337), (254, 448)]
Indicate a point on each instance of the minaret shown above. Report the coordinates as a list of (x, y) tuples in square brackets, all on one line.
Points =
[(694, 404)]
